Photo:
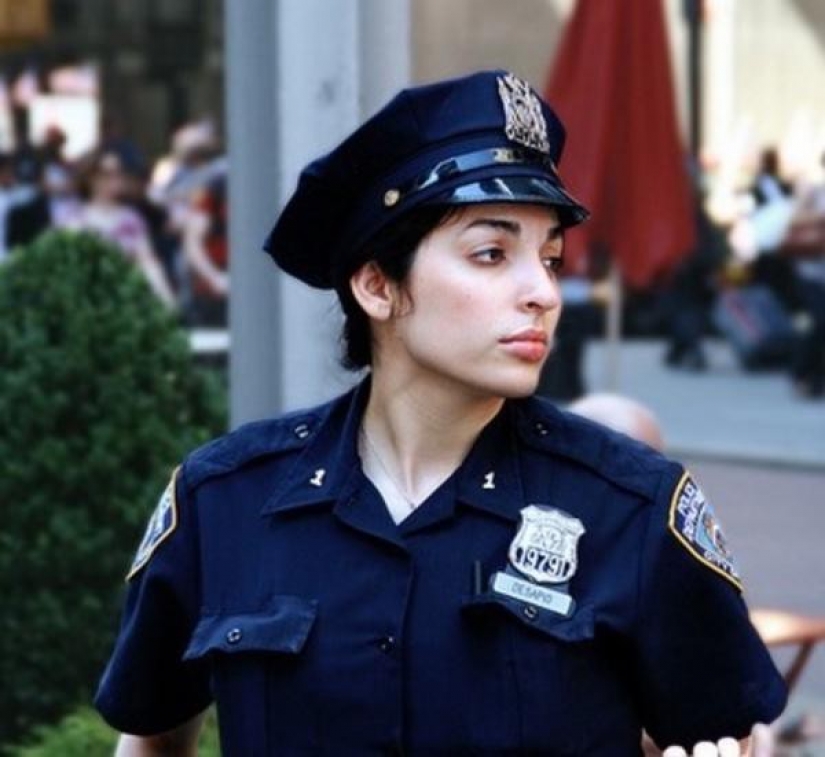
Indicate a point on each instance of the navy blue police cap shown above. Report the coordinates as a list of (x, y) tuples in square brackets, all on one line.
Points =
[(483, 138)]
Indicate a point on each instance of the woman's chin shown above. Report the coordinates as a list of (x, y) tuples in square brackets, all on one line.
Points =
[(522, 384)]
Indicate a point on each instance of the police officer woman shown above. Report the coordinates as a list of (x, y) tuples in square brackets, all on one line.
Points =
[(436, 563)]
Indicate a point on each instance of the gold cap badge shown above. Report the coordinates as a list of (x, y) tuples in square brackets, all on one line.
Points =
[(524, 120)]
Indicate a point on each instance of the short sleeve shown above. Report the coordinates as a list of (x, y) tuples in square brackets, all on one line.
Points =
[(704, 673), (146, 687)]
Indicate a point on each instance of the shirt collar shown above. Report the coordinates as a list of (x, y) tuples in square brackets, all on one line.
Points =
[(490, 477), (329, 469), (325, 470)]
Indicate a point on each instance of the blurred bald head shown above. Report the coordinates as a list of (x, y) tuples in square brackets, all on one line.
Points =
[(621, 414)]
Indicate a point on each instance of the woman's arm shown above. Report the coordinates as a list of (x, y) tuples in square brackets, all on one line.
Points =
[(179, 742), (195, 229), (152, 269)]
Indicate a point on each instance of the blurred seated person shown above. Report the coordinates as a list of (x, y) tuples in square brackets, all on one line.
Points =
[(56, 204), (623, 414), (760, 226), (105, 213)]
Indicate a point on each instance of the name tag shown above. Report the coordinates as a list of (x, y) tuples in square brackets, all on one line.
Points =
[(526, 591)]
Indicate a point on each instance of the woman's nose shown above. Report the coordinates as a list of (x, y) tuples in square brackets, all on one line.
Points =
[(540, 288)]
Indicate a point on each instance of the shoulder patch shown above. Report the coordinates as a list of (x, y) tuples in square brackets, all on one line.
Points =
[(694, 524), (161, 525)]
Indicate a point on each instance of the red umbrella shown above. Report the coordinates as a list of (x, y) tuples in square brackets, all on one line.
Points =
[(611, 84)]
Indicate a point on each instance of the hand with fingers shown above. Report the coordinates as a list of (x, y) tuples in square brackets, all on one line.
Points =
[(727, 747)]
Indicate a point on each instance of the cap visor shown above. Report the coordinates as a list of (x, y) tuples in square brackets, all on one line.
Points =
[(525, 189)]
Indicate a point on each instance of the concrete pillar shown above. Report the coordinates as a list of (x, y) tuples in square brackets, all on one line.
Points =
[(300, 74), (385, 51), (252, 133)]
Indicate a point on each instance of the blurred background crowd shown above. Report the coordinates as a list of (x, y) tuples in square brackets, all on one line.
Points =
[(167, 217), (112, 114), (696, 136)]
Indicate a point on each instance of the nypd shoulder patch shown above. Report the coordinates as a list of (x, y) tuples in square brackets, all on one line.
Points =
[(161, 525), (694, 524)]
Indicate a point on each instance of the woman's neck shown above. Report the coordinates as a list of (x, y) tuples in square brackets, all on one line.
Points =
[(420, 433)]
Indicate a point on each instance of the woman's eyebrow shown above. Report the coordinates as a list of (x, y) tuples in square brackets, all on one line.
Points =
[(555, 231), (511, 227)]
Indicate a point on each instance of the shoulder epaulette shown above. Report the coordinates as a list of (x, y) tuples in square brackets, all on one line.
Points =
[(252, 441), (621, 460)]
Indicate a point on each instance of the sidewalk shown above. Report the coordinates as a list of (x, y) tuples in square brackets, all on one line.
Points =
[(723, 413)]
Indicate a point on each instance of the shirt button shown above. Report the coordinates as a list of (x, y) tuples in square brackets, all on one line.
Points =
[(387, 644), (530, 612), (234, 635)]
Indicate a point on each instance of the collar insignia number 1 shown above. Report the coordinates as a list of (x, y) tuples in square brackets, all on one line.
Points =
[(524, 120), (318, 478), (543, 550), (162, 523)]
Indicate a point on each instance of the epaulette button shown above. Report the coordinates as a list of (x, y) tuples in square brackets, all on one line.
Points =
[(301, 431), (540, 429)]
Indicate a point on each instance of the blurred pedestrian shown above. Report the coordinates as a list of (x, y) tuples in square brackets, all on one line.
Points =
[(164, 235), (12, 194), (56, 204), (206, 252), (105, 213)]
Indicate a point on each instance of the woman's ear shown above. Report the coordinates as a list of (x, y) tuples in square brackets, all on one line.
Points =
[(373, 291)]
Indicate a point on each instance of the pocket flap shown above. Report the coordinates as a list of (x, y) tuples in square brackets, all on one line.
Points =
[(283, 626), (579, 626)]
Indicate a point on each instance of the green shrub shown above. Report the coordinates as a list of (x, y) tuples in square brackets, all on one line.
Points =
[(99, 399), (84, 734), (80, 734)]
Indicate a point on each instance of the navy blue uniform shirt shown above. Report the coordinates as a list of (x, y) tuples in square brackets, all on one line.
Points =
[(273, 581)]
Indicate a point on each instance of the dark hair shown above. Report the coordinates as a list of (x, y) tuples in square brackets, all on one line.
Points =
[(91, 165), (393, 249)]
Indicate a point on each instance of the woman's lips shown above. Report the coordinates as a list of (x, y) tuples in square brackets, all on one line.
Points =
[(529, 345)]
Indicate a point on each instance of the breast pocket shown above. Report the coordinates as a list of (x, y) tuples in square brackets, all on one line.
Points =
[(567, 696), (247, 652)]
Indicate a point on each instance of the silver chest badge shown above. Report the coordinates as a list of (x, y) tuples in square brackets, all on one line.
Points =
[(543, 559), (544, 548), (524, 119)]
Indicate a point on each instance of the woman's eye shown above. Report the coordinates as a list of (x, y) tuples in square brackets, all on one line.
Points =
[(553, 264), (490, 255)]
